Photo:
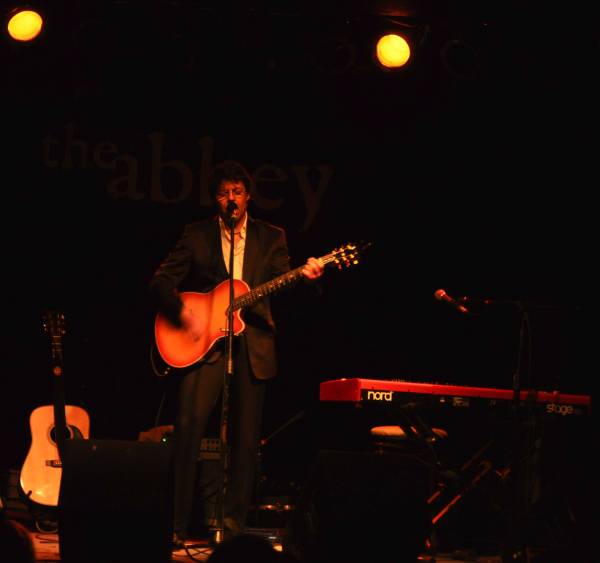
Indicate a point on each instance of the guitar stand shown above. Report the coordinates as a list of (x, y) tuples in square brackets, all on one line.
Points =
[(46, 526)]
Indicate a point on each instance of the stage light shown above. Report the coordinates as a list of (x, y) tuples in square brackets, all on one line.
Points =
[(392, 51), (24, 24)]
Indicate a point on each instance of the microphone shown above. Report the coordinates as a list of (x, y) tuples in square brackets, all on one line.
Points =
[(441, 295), (231, 207)]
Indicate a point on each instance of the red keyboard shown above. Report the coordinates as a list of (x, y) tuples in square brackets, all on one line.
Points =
[(375, 391)]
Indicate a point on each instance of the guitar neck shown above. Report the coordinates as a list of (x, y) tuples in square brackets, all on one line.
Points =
[(54, 325), (276, 284)]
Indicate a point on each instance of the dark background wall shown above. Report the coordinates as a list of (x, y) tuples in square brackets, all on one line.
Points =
[(475, 178)]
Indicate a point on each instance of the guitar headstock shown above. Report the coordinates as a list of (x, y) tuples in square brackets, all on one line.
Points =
[(53, 323), (347, 255)]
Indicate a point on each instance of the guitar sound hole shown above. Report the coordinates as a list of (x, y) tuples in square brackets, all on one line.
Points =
[(72, 432)]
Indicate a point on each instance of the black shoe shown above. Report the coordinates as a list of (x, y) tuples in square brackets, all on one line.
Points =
[(178, 542)]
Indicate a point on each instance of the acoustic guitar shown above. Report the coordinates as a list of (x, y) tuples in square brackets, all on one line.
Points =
[(50, 426), (179, 349)]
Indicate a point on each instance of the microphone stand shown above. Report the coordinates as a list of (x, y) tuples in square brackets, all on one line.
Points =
[(515, 549), (521, 467), (224, 447)]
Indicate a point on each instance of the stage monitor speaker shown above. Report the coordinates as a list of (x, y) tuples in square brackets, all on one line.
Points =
[(362, 506), (115, 502)]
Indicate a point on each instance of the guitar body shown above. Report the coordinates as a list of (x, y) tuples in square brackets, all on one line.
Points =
[(41, 472), (177, 347)]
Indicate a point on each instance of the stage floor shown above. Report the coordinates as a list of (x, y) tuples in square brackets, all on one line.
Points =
[(47, 550)]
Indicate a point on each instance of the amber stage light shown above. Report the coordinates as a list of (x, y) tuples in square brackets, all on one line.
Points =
[(392, 51), (24, 24)]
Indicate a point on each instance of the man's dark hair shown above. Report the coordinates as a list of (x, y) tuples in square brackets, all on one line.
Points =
[(231, 171)]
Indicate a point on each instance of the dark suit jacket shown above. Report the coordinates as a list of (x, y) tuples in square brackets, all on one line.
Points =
[(196, 263)]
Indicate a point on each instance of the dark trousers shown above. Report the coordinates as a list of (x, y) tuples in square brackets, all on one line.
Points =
[(199, 392)]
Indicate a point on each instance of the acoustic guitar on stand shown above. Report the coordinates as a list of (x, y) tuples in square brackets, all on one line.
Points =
[(179, 349), (50, 426)]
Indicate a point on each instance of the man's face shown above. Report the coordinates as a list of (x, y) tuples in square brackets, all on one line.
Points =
[(232, 191)]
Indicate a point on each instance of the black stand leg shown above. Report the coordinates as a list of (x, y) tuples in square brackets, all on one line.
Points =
[(259, 457), (515, 550)]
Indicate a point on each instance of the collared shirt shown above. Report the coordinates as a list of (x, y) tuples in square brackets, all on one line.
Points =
[(238, 249)]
